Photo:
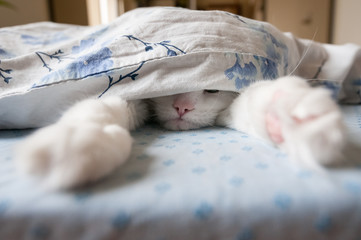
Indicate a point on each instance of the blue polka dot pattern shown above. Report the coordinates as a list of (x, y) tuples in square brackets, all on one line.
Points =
[(282, 201), (198, 170), (245, 234), (323, 223), (236, 181), (162, 188), (4, 205), (41, 232), (120, 221), (203, 211)]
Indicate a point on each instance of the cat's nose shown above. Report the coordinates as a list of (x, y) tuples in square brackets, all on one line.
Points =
[(183, 107)]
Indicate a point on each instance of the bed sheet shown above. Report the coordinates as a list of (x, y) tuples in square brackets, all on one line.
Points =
[(211, 183)]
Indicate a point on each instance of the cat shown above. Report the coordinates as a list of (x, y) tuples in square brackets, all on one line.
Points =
[(92, 138)]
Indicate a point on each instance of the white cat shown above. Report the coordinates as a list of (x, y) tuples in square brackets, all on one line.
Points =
[(92, 138)]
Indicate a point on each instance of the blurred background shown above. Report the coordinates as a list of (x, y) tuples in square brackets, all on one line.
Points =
[(335, 21)]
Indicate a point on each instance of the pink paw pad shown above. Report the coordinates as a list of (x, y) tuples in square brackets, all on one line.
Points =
[(273, 127), (273, 124)]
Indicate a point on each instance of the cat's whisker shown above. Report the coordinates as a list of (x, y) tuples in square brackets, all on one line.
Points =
[(304, 53), (211, 108), (318, 79)]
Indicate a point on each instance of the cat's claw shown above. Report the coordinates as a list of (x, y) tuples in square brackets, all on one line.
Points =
[(69, 155), (307, 124)]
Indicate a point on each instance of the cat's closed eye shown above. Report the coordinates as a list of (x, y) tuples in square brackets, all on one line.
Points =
[(210, 91)]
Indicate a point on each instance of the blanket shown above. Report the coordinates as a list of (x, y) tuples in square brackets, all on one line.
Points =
[(149, 52)]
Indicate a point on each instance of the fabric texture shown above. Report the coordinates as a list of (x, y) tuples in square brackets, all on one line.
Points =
[(45, 67)]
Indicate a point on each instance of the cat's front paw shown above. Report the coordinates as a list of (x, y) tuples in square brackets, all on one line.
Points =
[(306, 123), (68, 155)]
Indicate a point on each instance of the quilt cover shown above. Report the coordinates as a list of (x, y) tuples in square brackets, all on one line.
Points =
[(45, 67), (210, 183)]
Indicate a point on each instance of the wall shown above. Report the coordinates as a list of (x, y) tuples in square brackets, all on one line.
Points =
[(26, 11), (70, 11), (347, 20), (245, 6), (304, 18)]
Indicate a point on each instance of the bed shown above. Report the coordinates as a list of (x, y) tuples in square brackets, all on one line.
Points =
[(210, 183)]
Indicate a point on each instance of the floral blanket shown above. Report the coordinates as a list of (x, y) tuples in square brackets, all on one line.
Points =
[(44, 67)]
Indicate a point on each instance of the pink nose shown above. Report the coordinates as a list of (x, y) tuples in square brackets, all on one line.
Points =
[(182, 107)]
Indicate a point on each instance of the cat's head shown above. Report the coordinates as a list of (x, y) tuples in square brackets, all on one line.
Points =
[(191, 110)]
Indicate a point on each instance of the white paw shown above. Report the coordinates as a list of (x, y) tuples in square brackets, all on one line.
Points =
[(306, 123), (69, 155)]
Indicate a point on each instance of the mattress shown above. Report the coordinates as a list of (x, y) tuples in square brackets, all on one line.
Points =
[(211, 183)]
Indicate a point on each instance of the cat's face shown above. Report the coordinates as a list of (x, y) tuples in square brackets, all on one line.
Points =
[(191, 110)]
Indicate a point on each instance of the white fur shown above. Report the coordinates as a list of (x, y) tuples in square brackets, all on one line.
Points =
[(92, 137), (318, 139), (86, 144), (207, 107)]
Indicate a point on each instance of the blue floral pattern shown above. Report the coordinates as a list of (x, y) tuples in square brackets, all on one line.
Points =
[(239, 18), (5, 74), (57, 55), (5, 54), (132, 75), (171, 49), (45, 39), (246, 71), (357, 84), (249, 68), (92, 63), (86, 64), (334, 87), (242, 76)]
